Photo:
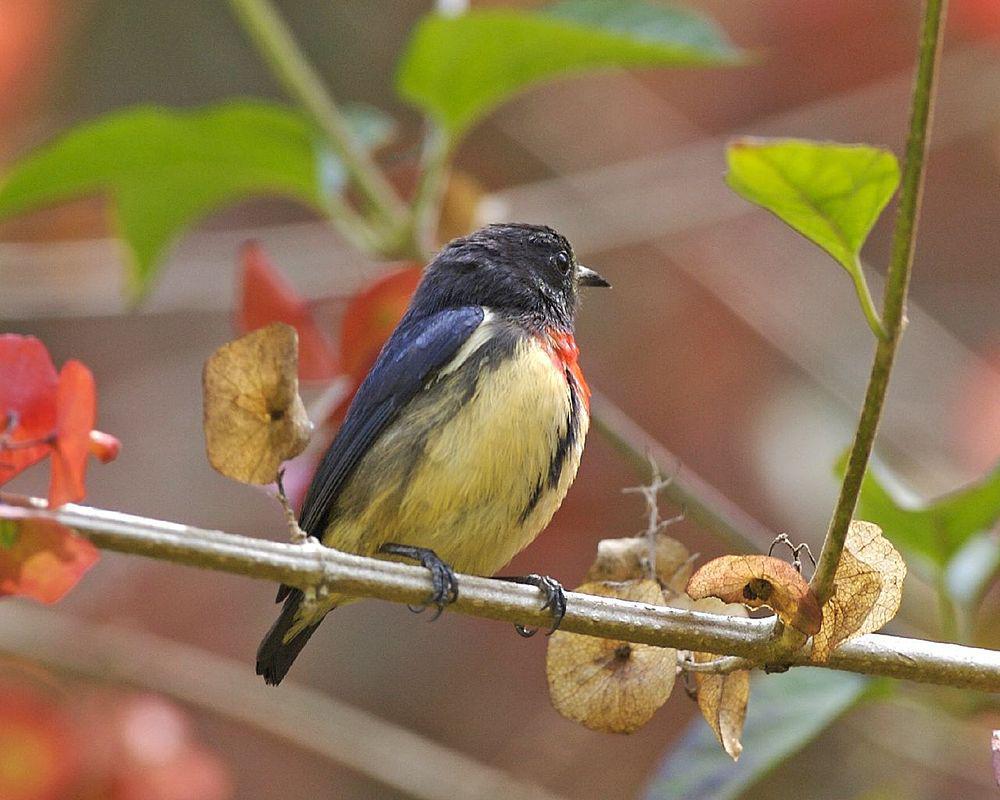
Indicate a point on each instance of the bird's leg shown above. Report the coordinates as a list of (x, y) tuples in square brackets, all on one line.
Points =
[(555, 599), (442, 576)]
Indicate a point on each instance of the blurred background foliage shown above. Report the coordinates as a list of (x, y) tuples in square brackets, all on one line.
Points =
[(737, 345)]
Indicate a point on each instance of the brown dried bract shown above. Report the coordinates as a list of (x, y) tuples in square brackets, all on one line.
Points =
[(254, 417), (723, 702), (867, 589), (722, 699), (626, 559), (608, 685), (756, 581)]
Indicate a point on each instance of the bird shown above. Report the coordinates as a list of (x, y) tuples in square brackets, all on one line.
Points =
[(466, 434)]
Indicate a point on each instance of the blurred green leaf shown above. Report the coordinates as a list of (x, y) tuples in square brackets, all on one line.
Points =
[(8, 534), (164, 168), (934, 530), (830, 193), (786, 712), (457, 69), (972, 569)]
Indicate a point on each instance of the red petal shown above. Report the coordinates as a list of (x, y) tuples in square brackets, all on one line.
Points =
[(104, 446), (28, 395), (13, 462), (371, 317), (266, 296), (44, 561), (76, 413), (368, 321)]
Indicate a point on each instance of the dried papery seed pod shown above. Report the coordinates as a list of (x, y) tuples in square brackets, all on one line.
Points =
[(627, 559), (722, 699), (867, 588), (254, 417), (756, 581), (605, 684)]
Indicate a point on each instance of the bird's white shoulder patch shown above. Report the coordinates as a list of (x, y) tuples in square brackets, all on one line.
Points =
[(477, 339)]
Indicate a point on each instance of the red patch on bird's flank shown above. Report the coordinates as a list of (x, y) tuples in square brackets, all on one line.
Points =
[(561, 346)]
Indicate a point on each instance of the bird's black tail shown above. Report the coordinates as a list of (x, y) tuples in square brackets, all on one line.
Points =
[(275, 656)]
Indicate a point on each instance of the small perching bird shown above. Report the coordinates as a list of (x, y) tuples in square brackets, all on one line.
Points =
[(467, 432)]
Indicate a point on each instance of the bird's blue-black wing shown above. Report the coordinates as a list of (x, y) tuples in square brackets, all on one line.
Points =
[(416, 351)]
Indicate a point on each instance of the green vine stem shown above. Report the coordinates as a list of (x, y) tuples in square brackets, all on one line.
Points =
[(867, 304), (275, 42), (894, 303)]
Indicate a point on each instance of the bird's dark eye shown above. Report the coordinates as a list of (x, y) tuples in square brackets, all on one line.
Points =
[(562, 261)]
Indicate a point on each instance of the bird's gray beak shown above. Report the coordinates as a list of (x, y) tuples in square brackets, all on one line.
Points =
[(585, 276)]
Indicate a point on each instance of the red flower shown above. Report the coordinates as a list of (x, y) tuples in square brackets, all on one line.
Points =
[(41, 559), (28, 385), (42, 413), (266, 297), (368, 321), (372, 315)]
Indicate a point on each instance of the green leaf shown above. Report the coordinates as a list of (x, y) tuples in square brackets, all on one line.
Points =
[(830, 193), (458, 69), (935, 530), (8, 534), (785, 713), (972, 569), (164, 169)]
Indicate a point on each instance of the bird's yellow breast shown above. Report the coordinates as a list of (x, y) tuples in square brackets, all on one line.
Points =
[(467, 469)]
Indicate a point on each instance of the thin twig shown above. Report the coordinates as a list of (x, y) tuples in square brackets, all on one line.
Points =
[(276, 43), (295, 534), (893, 304), (312, 566), (654, 525), (392, 755), (717, 666)]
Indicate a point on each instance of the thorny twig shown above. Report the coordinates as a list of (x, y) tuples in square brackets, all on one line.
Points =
[(782, 538), (894, 303), (654, 525)]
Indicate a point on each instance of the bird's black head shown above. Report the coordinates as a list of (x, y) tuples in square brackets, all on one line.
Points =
[(526, 270)]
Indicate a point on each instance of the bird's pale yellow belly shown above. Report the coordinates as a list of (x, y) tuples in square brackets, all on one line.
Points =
[(468, 494)]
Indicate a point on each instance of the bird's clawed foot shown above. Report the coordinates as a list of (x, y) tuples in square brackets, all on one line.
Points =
[(555, 599), (442, 576)]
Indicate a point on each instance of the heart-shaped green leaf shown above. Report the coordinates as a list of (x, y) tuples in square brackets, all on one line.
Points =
[(935, 530), (830, 193), (164, 168), (457, 69)]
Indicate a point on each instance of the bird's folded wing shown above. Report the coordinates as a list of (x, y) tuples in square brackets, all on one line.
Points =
[(417, 350)]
